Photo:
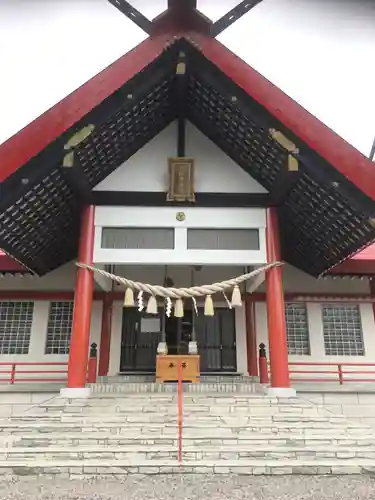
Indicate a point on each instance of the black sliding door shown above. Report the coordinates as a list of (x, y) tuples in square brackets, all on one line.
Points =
[(216, 338), (140, 337)]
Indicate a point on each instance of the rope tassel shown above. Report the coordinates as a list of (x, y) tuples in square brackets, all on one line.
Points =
[(152, 305), (179, 309), (209, 306), (129, 298), (236, 297)]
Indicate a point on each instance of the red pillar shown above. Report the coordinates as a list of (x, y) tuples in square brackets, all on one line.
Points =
[(79, 344), (278, 348), (105, 338), (251, 337)]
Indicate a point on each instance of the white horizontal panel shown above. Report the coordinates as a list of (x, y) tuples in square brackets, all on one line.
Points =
[(184, 257), (234, 218)]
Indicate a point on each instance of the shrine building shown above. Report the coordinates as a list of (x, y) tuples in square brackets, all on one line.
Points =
[(179, 165)]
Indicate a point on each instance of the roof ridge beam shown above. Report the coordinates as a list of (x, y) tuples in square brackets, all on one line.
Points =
[(133, 14), (232, 16)]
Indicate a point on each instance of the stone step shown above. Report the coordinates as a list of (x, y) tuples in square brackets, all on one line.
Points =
[(226, 424), (138, 453), (100, 467), (188, 418), (192, 407), (149, 387), (93, 439)]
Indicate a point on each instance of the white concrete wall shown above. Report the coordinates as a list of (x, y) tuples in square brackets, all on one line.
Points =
[(147, 170), (38, 343), (166, 217)]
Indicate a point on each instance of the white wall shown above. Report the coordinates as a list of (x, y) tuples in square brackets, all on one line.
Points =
[(39, 337), (166, 217), (147, 170)]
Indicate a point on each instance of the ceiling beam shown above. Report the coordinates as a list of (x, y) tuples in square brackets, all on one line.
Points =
[(133, 14), (232, 16), (159, 199)]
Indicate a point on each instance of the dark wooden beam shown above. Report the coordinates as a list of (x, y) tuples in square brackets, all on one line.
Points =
[(372, 152), (158, 199), (76, 178), (133, 14), (232, 16), (180, 103), (284, 182)]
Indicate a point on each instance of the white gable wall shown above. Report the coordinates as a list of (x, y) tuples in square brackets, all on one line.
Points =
[(147, 170)]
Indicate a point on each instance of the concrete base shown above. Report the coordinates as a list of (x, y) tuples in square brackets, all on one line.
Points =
[(162, 348), (281, 392), (75, 392), (193, 347)]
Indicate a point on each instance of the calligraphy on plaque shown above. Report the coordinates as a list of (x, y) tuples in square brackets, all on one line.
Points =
[(181, 180)]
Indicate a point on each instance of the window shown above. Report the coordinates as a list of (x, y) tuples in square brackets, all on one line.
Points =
[(223, 239), (297, 329), (15, 327), (342, 330), (59, 327), (138, 237)]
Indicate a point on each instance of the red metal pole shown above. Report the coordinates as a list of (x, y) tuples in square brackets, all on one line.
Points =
[(275, 306), (105, 338), (79, 344), (251, 337), (180, 411)]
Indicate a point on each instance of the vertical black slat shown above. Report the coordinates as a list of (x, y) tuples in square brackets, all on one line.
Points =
[(209, 342), (138, 349), (228, 340)]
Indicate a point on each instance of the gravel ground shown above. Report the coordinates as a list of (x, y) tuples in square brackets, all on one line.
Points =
[(200, 487)]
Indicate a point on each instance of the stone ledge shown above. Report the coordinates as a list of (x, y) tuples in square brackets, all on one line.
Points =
[(119, 467)]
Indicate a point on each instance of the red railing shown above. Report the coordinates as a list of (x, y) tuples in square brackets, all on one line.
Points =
[(331, 372), (26, 371)]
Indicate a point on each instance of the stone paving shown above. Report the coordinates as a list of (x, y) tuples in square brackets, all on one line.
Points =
[(191, 487)]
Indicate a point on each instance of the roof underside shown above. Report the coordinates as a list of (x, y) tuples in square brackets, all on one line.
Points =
[(323, 219)]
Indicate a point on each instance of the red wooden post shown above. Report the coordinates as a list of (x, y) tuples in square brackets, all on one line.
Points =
[(263, 365), (341, 375), (275, 306), (13, 374), (93, 364), (105, 338), (79, 344), (251, 337)]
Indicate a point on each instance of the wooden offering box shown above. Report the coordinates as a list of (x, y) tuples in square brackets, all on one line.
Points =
[(167, 368)]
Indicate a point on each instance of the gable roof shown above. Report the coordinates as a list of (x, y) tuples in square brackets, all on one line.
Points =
[(328, 208)]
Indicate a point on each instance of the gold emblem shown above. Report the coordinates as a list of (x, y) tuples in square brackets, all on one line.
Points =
[(180, 216)]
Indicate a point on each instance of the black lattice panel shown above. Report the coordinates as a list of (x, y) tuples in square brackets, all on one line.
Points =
[(320, 226), (34, 228), (239, 136), (126, 132)]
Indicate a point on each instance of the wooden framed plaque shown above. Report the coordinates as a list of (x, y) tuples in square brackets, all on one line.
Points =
[(181, 179)]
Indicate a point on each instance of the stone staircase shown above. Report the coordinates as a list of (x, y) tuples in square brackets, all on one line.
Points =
[(239, 431)]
